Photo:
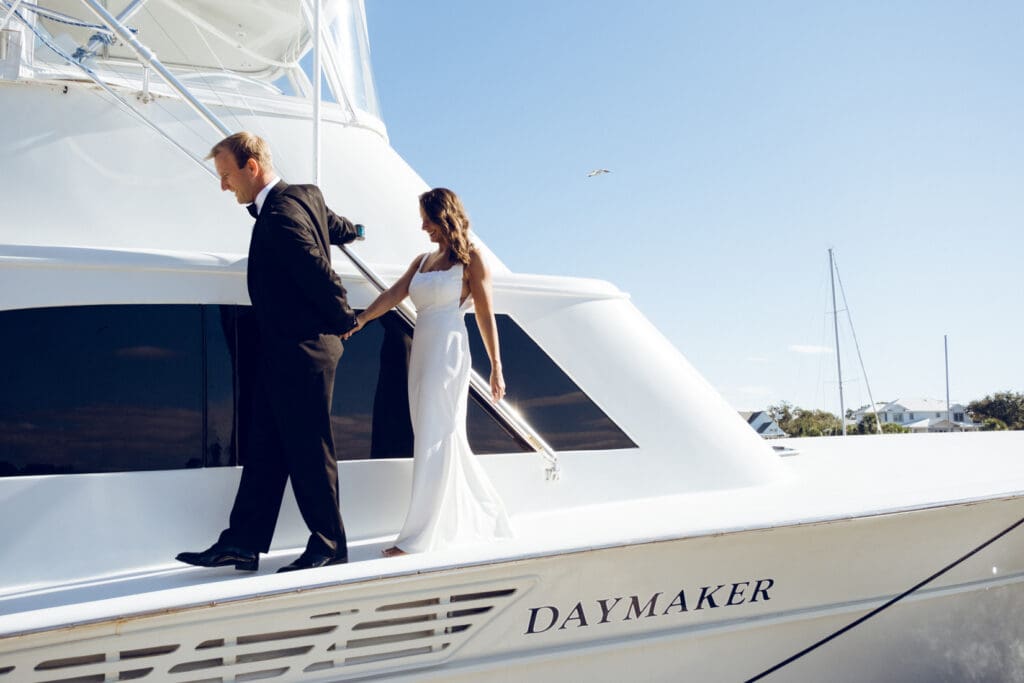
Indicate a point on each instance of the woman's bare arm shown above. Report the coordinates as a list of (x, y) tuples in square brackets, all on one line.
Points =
[(481, 291), (387, 299)]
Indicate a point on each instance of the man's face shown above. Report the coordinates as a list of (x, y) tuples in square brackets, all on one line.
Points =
[(242, 181)]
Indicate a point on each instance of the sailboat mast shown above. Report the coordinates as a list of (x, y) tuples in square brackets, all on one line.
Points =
[(945, 344), (835, 325)]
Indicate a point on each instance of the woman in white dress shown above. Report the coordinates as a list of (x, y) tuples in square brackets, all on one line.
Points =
[(453, 501)]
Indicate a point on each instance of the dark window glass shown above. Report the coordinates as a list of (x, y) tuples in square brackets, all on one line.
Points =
[(486, 435), (544, 395), (121, 388), (101, 389), (360, 379), (220, 332), (370, 412)]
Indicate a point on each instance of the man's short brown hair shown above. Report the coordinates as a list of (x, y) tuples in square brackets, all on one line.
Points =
[(244, 146)]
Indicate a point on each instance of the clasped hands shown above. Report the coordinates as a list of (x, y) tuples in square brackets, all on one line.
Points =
[(359, 325)]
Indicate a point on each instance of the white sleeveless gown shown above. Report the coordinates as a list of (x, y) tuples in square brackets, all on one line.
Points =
[(453, 501)]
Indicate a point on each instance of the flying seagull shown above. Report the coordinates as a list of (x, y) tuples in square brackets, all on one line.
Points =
[(598, 171)]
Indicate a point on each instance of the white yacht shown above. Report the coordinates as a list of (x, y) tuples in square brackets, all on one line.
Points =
[(658, 537)]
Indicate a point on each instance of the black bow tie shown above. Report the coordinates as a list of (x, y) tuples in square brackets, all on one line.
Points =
[(253, 211)]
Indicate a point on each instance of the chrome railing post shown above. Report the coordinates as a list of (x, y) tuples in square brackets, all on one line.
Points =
[(120, 100), (149, 59), (10, 13), (97, 40)]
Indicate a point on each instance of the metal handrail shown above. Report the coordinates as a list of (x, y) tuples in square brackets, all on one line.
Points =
[(98, 39), (149, 59), (10, 13), (52, 15), (479, 388), (94, 77)]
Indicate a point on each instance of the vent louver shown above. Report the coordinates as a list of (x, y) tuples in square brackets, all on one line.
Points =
[(327, 640)]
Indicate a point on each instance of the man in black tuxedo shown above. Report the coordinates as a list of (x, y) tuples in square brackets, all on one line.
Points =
[(301, 311)]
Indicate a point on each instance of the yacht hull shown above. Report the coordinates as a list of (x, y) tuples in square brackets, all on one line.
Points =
[(722, 607)]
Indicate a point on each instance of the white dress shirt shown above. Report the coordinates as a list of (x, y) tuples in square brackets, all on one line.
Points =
[(261, 196)]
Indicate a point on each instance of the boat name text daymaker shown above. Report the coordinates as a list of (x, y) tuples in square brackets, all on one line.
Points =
[(546, 617)]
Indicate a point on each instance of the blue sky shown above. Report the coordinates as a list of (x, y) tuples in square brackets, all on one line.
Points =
[(744, 140)]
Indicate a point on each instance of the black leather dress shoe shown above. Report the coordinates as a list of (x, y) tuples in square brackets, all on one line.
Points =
[(312, 561), (221, 555)]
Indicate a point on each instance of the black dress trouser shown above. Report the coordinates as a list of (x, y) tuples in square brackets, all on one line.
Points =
[(289, 435)]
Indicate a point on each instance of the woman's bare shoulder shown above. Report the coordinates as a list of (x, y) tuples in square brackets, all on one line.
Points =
[(476, 258)]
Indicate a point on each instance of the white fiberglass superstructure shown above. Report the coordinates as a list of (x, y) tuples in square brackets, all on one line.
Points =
[(675, 544)]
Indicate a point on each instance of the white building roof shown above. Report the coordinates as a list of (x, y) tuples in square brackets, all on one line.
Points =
[(929, 422), (920, 405), (864, 410)]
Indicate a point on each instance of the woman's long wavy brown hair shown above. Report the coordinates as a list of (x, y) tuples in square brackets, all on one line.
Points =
[(443, 208)]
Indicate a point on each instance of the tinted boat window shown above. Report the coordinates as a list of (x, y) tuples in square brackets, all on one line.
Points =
[(101, 389), (222, 326), (545, 396), (149, 387), (370, 411), (354, 409)]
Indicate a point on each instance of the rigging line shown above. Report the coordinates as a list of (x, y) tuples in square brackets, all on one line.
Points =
[(887, 605), (856, 345), (10, 12), (215, 91), (256, 120), (231, 42), (230, 111), (61, 18), (333, 68), (195, 131), (99, 40), (107, 89), (206, 82), (819, 395), (129, 77), (807, 331), (819, 390), (146, 55)]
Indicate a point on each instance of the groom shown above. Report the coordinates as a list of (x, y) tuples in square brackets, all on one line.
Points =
[(300, 309)]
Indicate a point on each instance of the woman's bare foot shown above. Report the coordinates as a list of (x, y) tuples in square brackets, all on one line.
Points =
[(393, 551)]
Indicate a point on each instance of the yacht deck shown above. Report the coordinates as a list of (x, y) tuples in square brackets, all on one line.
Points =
[(831, 479)]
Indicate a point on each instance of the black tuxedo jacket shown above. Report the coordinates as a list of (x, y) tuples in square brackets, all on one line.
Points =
[(295, 293)]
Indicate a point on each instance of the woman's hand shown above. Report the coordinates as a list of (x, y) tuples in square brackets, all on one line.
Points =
[(497, 384)]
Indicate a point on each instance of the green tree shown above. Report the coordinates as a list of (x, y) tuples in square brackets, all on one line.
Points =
[(992, 424), (867, 425), (797, 421), (782, 413), (1004, 406)]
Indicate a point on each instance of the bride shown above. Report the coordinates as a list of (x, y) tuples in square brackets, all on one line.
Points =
[(453, 501)]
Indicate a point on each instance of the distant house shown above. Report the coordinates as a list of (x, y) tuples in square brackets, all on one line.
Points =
[(763, 424), (859, 414), (923, 415)]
